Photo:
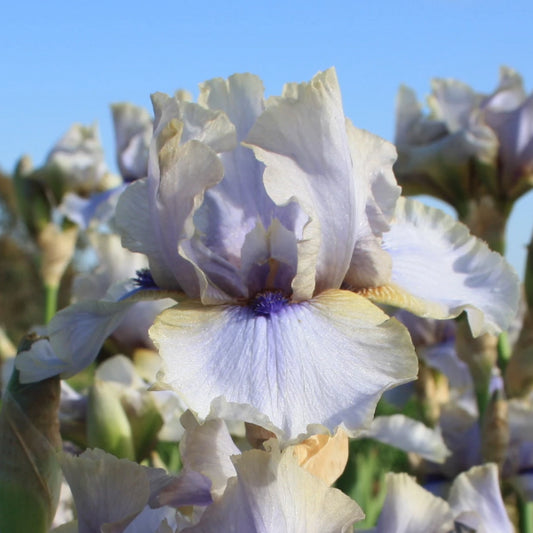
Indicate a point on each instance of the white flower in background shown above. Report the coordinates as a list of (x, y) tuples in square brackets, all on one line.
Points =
[(469, 143), (80, 156), (275, 224), (133, 133), (474, 504)]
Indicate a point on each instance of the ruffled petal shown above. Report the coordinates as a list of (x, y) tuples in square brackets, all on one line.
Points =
[(239, 203), (155, 215), (476, 500), (207, 449), (286, 365), (439, 270), (377, 193), (194, 121), (272, 493), (376, 188), (452, 102), (301, 138), (80, 156)]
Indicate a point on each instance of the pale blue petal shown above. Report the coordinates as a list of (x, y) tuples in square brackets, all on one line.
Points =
[(301, 137), (83, 211), (409, 435), (437, 262), (409, 508), (234, 207), (477, 494), (150, 520), (77, 333), (286, 365), (212, 128), (453, 102), (188, 488)]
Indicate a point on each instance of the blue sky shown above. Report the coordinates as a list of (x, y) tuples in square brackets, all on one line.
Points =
[(65, 62)]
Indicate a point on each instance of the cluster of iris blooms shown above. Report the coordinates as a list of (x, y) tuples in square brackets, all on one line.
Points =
[(264, 309)]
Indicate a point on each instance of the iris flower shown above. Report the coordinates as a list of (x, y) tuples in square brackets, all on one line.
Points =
[(469, 144), (276, 224), (474, 504)]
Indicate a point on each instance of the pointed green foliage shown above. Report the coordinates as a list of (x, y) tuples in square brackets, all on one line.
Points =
[(32, 199), (30, 476)]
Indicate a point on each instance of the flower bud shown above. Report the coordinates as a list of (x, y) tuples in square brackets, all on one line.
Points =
[(108, 426), (495, 430), (519, 371)]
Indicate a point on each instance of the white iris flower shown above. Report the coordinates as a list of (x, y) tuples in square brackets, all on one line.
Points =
[(276, 224)]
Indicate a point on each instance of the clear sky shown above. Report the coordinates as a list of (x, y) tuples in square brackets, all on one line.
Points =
[(65, 62)]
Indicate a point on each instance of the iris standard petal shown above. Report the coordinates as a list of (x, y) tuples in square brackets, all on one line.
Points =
[(155, 214), (283, 359), (236, 205), (209, 127), (439, 270), (301, 138), (273, 493)]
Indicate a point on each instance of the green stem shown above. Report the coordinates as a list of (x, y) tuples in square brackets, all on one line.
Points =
[(525, 515), (504, 351), (51, 293)]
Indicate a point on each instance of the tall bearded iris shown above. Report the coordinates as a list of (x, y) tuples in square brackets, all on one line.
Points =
[(278, 222)]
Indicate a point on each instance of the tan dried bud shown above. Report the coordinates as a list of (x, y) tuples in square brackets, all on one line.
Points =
[(519, 371), (57, 247), (7, 348), (487, 220), (480, 353), (257, 435), (495, 431), (433, 391)]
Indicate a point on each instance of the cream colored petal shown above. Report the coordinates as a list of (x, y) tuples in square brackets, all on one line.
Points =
[(324, 456), (273, 493)]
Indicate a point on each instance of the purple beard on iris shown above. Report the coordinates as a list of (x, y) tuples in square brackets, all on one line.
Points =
[(266, 303), (143, 278)]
